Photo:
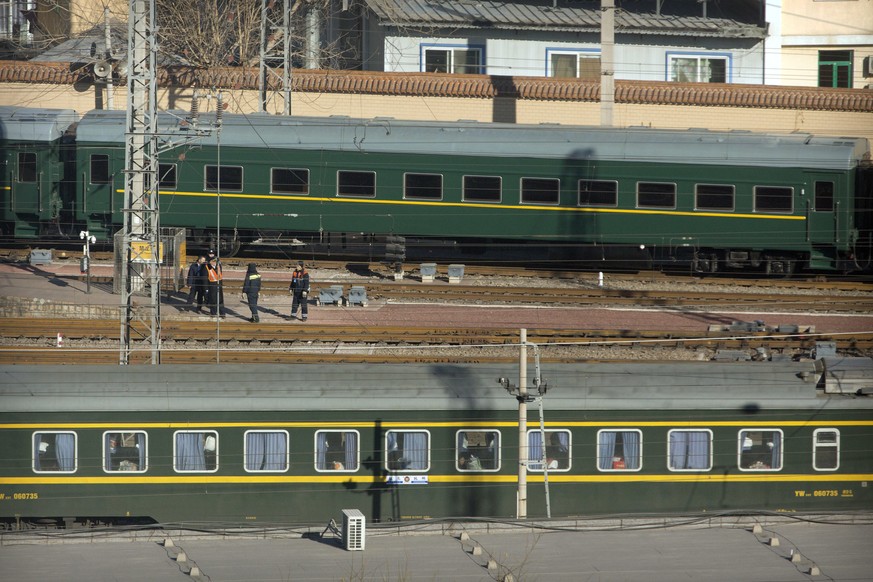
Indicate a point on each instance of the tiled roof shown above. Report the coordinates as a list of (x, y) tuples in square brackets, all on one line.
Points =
[(548, 15), (481, 87)]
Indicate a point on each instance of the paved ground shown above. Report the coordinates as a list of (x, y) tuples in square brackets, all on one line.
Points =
[(713, 554), (53, 283)]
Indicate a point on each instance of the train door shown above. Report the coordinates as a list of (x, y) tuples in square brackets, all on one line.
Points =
[(25, 182), (97, 189), (823, 207)]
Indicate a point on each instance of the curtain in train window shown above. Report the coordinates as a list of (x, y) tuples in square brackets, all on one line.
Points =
[(407, 450), (557, 450), (196, 451), (689, 450), (478, 450), (619, 450), (336, 451), (124, 451), (266, 451), (761, 450), (54, 451)]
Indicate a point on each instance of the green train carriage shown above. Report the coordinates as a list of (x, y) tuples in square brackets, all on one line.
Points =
[(296, 444), (718, 200), (34, 154)]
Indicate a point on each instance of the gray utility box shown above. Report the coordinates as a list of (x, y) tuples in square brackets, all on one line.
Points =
[(428, 272), (332, 295), (41, 257), (456, 273), (358, 296)]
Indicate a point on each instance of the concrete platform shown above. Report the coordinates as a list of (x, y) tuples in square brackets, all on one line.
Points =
[(713, 553), (58, 291)]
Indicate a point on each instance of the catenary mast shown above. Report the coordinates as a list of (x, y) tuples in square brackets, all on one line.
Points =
[(140, 240)]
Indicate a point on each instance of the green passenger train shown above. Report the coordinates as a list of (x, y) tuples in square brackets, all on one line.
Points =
[(297, 444), (636, 196)]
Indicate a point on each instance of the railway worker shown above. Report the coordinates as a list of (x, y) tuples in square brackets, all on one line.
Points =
[(299, 289), (197, 283), (251, 290), (214, 285)]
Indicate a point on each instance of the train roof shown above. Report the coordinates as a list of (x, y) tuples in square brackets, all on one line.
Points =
[(29, 124), (588, 386), (576, 144)]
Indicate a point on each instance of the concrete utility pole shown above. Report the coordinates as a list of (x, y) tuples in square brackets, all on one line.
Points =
[(522, 427), (140, 241), (607, 61), (275, 41)]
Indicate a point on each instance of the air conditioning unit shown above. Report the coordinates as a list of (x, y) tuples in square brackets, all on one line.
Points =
[(354, 524)]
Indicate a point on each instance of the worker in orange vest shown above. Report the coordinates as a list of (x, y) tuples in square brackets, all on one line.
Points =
[(214, 285)]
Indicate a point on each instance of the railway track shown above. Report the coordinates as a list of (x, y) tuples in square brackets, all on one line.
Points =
[(96, 341)]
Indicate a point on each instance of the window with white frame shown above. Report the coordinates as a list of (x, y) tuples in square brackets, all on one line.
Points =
[(422, 186), (826, 449), (482, 188), (407, 450), (337, 450), (124, 451), (195, 451), (573, 64), (459, 61), (54, 452), (556, 452), (266, 450), (684, 68), (689, 450), (477, 450), (760, 450), (620, 450), (540, 191)]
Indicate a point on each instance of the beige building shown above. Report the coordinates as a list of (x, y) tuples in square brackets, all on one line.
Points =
[(820, 43)]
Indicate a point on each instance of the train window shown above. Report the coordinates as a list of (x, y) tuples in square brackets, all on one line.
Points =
[(195, 451), (337, 450), (423, 186), (557, 450), (124, 451), (598, 193), (482, 188), (824, 196), (477, 450), (620, 450), (656, 195), (760, 450), (357, 184), (266, 450), (167, 176), (55, 452), (689, 450), (289, 181), (713, 197), (26, 167), (223, 179), (99, 169), (826, 449), (407, 450), (774, 199), (540, 190)]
